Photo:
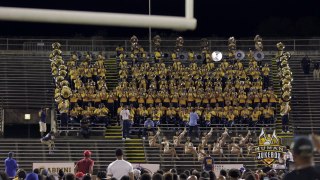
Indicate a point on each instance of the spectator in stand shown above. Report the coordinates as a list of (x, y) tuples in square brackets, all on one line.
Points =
[(125, 117), (234, 174), (79, 175), (86, 164), (11, 166), (183, 176), (192, 177), (288, 157), (42, 122), (20, 175), (148, 126), (303, 161), (168, 176), (137, 174), (160, 171), (316, 70), (86, 177), (193, 125), (204, 175), (60, 174), (85, 127), (125, 178), (145, 176), (157, 176), (69, 176), (305, 64), (223, 174), (101, 175), (32, 176), (120, 167), (49, 140)]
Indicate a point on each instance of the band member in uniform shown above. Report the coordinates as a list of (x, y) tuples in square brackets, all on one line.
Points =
[(189, 148), (268, 115), (177, 138), (201, 152), (250, 147), (244, 140), (235, 148), (154, 138), (205, 138), (284, 112), (222, 140), (217, 149), (167, 149)]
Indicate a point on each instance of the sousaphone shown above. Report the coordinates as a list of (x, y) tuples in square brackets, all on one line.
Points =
[(216, 56), (258, 55), (239, 55)]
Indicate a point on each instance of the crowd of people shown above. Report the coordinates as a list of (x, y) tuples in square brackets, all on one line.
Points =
[(227, 92), (304, 168), (81, 92)]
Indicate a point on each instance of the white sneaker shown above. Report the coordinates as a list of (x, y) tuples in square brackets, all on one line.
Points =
[(123, 139), (282, 131), (144, 138), (127, 138), (288, 131)]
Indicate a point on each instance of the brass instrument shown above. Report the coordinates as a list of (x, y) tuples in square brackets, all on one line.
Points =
[(239, 55), (258, 43), (258, 55), (216, 56), (156, 42), (66, 92)]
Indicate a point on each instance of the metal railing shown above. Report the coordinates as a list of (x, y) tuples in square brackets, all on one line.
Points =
[(44, 45)]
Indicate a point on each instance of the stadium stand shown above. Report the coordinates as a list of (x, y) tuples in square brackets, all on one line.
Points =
[(305, 100), (25, 82), (141, 83)]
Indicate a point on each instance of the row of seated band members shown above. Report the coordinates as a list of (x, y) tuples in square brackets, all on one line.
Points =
[(160, 75), (97, 72), (204, 148), (112, 99), (227, 115)]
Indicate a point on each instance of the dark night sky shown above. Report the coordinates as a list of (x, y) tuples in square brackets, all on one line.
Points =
[(222, 18)]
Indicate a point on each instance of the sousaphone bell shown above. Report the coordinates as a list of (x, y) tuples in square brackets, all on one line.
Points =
[(239, 55), (258, 55), (216, 56)]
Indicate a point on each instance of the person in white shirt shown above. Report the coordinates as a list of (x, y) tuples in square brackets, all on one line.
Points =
[(288, 157), (120, 167), (125, 117)]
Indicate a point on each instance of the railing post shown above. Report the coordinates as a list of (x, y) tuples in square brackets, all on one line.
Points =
[(294, 45), (91, 45), (7, 44), (67, 48), (1, 121), (53, 120)]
